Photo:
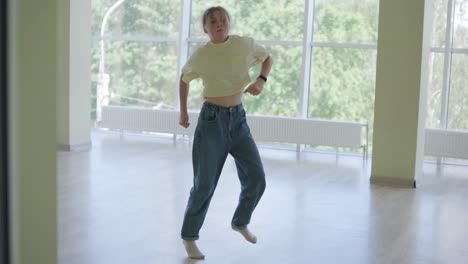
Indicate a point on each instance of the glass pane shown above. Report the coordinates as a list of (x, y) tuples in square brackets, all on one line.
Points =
[(458, 99), (195, 99), (262, 19), (139, 73), (434, 92), (142, 17), (346, 21), (98, 10), (438, 22), (343, 84), (460, 36), (280, 96)]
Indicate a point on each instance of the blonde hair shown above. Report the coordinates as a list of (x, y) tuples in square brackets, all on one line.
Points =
[(208, 12)]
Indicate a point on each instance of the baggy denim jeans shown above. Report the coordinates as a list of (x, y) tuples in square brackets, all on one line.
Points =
[(221, 131)]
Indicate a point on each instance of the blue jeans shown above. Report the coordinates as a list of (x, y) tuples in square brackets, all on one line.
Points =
[(221, 131)]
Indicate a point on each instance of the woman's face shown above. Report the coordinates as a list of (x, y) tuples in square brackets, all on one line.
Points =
[(217, 26)]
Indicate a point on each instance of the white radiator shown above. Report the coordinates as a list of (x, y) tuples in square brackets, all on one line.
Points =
[(145, 119), (316, 132), (446, 143)]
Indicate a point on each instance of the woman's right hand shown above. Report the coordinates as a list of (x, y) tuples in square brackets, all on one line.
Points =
[(184, 119)]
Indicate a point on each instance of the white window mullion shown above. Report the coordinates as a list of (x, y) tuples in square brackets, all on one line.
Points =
[(447, 65), (345, 45), (136, 38), (460, 51), (306, 59), (183, 48), (291, 43)]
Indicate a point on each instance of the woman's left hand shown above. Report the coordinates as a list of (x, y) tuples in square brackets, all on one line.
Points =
[(255, 88)]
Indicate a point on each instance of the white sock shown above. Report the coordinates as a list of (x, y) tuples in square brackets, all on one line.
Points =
[(247, 234), (192, 249)]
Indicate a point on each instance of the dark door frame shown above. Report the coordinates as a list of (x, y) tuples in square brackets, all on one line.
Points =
[(4, 208)]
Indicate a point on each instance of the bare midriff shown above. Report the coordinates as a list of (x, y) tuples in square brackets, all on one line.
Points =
[(226, 101)]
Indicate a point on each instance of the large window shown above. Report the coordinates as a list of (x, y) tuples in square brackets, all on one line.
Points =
[(448, 65), (137, 53), (324, 54), (343, 61), (134, 56)]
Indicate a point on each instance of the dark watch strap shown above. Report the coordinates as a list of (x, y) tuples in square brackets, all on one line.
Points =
[(262, 77)]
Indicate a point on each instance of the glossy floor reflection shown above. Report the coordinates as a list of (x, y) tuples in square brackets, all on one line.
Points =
[(123, 202)]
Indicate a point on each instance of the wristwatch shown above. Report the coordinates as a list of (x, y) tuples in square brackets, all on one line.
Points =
[(262, 77)]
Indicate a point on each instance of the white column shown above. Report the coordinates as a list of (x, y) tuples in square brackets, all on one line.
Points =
[(74, 95), (399, 113)]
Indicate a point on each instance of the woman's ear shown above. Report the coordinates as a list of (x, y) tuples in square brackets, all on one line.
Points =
[(204, 30)]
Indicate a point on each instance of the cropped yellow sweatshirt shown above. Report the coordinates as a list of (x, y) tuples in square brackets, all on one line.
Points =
[(224, 67)]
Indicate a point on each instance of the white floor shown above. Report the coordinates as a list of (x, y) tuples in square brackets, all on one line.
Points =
[(123, 202)]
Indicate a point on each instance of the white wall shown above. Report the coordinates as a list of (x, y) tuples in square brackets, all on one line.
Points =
[(32, 126)]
